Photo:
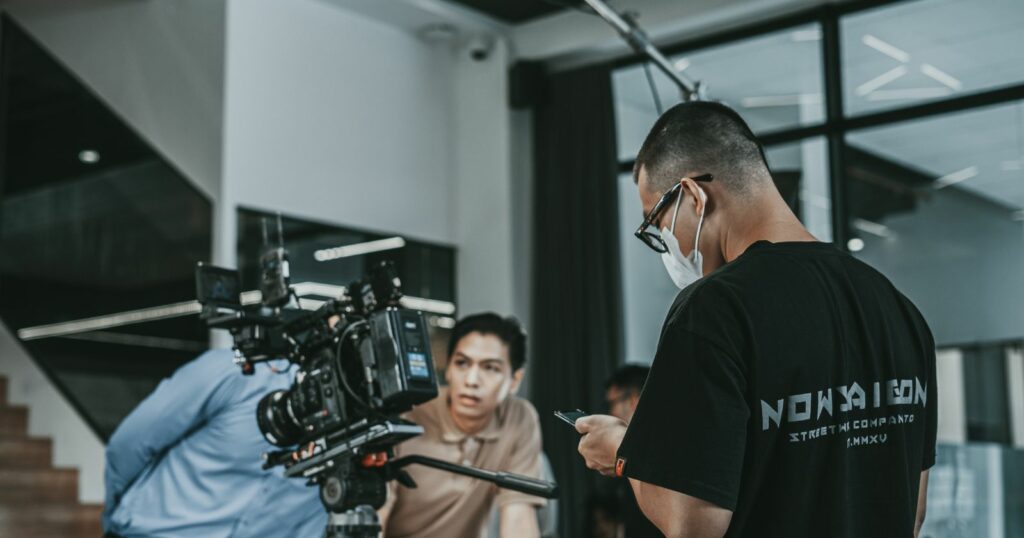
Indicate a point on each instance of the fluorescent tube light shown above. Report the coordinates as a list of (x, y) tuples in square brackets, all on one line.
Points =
[(886, 48), (358, 249), (956, 177)]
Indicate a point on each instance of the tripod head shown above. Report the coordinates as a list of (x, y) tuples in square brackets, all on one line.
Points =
[(352, 469)]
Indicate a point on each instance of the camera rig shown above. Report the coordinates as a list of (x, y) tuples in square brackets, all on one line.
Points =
[(362, 360)]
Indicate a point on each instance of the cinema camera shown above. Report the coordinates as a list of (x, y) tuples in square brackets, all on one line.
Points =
[(362, 360)]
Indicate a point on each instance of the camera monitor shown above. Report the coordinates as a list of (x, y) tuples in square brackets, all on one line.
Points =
[(217, 286)]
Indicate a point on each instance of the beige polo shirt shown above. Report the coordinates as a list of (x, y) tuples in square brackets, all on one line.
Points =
[(449, 505)]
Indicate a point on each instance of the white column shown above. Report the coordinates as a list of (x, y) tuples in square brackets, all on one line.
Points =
[(815, 202), (952, 428), (1015, 386)]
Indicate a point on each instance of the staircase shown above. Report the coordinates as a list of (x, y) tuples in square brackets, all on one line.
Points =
[(36, 499)]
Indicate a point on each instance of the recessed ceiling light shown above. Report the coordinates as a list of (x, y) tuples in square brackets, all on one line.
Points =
[(855, 244), (89, 156)]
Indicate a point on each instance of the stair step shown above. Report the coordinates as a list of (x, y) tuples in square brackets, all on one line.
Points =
[(27, 486), (51, 519), (29, 452), (13, 421)]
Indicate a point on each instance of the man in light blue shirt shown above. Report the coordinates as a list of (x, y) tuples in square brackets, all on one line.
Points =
[(186, 461)]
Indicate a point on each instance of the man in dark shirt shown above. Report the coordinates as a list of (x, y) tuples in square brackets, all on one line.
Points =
[(793, 389)]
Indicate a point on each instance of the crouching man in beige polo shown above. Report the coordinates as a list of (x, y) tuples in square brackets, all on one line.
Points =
[(476, 420)]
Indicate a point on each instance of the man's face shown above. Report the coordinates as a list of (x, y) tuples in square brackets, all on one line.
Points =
[(480, 375), (621, 402)]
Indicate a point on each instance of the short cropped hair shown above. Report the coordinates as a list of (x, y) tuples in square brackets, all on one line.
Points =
[(507, 329), (702, 137), (630, 377)]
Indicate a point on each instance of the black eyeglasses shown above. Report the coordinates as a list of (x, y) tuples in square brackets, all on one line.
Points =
[(652, 239)]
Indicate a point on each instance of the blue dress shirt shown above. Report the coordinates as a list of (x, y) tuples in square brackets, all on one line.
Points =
[(186, 461)]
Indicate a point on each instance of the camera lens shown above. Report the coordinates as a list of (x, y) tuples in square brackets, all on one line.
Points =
[(276, 424)]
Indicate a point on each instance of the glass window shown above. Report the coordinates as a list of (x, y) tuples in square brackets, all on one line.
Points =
[(774, 81), (913, 52), (987, 404), (936, 205), (800, 171)]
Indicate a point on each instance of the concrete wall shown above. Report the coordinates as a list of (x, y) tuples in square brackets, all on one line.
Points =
[(158, 65), (335, 115)]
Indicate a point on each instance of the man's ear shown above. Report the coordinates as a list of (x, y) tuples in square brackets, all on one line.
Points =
[(697, 194), (517, 379)]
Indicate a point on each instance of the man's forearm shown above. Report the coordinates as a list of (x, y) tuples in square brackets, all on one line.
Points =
[(519, 521), (678, 515)]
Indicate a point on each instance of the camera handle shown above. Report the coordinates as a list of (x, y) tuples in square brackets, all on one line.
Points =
[(515, 482)]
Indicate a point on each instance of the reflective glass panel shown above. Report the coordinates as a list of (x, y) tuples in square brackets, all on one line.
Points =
[(800, 171), (774, 81), (913, 52), (936, 205)]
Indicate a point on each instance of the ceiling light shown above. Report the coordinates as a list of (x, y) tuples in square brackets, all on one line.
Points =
[(872, 228), (443, 322), (681, 64), (956, 177), (941, 76), (427, 305), (885, 48), (881, 80), (764, 101), (813, 34), (855, 244), (908, 93), (89, 156), (358, 249)]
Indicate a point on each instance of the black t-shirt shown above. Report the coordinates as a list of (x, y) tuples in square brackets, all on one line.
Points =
[(794, 386)]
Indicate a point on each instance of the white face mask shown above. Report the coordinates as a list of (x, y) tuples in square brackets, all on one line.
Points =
[(683, 270)]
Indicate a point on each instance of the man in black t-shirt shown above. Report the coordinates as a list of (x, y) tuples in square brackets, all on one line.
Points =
[(793, 389)]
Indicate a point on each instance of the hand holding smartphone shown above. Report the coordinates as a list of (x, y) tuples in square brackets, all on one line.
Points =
[(570, 417)]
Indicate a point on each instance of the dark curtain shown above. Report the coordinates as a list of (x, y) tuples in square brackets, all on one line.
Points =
[(576, 333)]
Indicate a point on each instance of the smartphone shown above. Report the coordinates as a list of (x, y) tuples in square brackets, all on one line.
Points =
[(570, 416)]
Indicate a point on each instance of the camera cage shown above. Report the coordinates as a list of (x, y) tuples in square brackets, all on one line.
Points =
[(351, 463)]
